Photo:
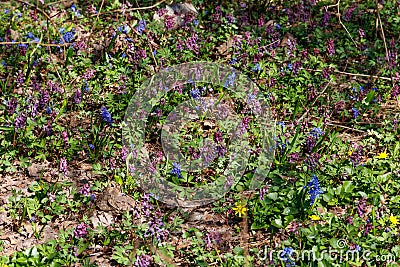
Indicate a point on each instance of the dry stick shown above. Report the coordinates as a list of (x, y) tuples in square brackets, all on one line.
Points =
[(340, 21), (40, 44), (384, 39), (315, 100), (352, 74), (344, 127), (130, 9)]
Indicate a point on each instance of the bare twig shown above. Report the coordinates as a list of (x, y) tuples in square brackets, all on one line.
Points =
[(337, 5), (40, 44), (344, 127), (130, 9), (315, 100), (383, 37), (352, 74)]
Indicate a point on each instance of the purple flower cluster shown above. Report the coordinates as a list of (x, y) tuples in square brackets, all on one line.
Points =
[(207, 152), (85, 190), (212, 238), (349, 12), (63, 166), (330, 47), (12, 105), (191, 43), (143, 260), (20, 121), (80, 230), (169, 22), (361, 207), (64, 135)]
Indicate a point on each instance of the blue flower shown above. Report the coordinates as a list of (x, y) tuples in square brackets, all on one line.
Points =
[(314, 189), (123, 29), (282, 124), (106, 115), (256, 68), (286, 256), (176, 169), (355, 112), (195, 22), (316, 132), (195, 93), (230, 79), (86, 89), (141, 26), (290, 66), (233, 60), (68, 36), (91, 146)]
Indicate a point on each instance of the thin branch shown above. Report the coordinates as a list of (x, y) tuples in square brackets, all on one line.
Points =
[(337, 5), (40, 44), (315, 100), (383, 37), (352, 74), (129, 9), (344, 127)]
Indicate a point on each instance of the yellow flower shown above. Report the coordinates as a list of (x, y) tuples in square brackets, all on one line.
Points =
[(350, 153), (239, 209), (393, 220), (315, 217), (383, 155)]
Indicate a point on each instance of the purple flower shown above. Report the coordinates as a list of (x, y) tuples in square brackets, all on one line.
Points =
[(63, 166), (361, 33), (124, 153), (325, 19), (12, 105), (156, 229), (106, 115), (212, 238), (51, 197), (191, 43), (89, 74), (326, 73), (169, 22), (368, 228), (44, 98), (349, 12), (218, 136), (80, 230), (143, 260), (64, 135), (361, 208), (78, 96), (20, 121), (85, 190), (330, 47)]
